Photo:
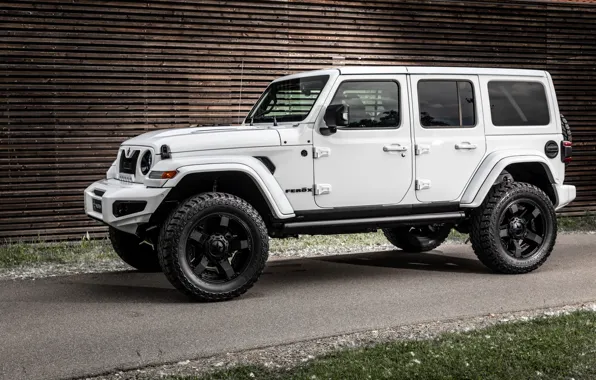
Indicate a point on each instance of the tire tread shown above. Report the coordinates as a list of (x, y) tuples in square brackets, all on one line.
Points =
[(170, 235), (486, 245)]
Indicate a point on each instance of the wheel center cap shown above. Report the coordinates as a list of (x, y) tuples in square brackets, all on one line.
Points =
[(517, 228), (218, 246)]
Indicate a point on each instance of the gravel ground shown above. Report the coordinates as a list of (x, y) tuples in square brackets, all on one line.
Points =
[(287, 248), (37, 271), (289, 355), (20, 261)]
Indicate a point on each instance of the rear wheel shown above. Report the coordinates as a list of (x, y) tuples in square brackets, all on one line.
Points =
[(135, 252), (515, 229), (213, 247), (418, 238)]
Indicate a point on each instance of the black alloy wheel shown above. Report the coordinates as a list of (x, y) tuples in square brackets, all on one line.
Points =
[(515, 229), (522, 228), (213, 246), (218, 248)]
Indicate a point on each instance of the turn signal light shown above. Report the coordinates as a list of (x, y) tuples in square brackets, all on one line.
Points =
[(169, 174), (163, 175)]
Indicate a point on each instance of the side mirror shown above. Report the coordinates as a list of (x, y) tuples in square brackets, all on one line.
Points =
[(336, 115)]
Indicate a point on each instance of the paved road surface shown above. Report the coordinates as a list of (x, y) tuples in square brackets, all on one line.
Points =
[(77, 325)]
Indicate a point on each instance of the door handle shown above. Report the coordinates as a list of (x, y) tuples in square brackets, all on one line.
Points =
[(465, 145), (394, 148)]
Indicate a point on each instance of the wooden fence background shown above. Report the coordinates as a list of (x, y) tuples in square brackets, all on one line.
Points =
[(79, 77)]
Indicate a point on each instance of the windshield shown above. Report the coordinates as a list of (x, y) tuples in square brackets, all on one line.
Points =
[(289, 100)]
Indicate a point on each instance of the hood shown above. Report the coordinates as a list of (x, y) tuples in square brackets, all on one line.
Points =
[(207, 138)]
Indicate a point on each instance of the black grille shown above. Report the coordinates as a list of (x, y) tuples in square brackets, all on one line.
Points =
[(129, 165)]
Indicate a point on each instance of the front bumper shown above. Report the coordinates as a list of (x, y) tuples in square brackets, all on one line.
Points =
[(108, 191), (565, 194)]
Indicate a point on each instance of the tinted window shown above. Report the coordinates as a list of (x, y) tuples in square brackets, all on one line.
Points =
[(517, 103), (445, 104), (370, 104)]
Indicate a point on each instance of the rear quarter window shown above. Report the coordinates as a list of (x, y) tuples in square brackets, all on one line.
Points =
[(518, 103)]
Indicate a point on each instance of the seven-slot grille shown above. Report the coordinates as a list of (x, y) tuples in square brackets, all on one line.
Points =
[(129, 165)]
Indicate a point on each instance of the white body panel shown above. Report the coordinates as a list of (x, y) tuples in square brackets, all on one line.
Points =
[(121, 191), (452, 154), (361, 166), (356, 171), (207, 138)]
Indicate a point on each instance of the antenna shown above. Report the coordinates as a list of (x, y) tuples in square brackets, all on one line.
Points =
[(241, 78)]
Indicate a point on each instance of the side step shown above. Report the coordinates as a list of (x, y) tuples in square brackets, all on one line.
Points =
[(365, 224)]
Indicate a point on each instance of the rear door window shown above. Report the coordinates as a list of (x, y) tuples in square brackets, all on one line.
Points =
[(514, 103), (446, 104)]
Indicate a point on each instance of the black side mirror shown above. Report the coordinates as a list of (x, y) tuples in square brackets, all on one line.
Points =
[(336, 115)]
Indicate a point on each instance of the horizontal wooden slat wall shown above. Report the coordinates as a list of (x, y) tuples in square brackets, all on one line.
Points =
[(79, 77)]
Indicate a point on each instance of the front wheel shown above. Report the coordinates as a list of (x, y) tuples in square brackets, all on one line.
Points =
[(134, 251), (418, 238), (213, 247), (515, 229)]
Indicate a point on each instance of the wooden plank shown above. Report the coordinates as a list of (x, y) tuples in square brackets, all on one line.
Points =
[(78, 78)]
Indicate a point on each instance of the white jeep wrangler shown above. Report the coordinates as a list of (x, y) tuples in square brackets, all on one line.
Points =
[(414, 151)]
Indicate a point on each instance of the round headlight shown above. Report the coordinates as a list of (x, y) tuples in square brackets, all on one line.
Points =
[(146, 162)]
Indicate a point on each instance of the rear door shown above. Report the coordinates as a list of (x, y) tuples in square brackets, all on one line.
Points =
[(448, 134)]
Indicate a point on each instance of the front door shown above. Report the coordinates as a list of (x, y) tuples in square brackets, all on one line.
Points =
[(448, 134), (369, 161)]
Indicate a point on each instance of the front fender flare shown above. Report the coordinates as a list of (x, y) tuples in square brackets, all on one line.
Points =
[(255, 169), (490, 169)]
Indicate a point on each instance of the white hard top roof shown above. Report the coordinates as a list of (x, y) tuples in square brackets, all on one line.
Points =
[(419, 70)]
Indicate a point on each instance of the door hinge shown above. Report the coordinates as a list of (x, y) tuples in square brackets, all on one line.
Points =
[(322, 189), (321, 152), (422, 184), (422, 149)]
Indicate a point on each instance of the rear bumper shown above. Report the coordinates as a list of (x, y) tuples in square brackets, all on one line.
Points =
[(108, 191), (565, 194)]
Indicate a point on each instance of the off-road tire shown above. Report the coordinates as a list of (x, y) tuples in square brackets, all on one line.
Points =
[(484, 233), (566, 128), (174, 235), (403, 238), (134, 251)]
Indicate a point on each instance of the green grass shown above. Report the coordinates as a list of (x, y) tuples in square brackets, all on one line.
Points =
[(561, 347), (27, 254), (584, 223)]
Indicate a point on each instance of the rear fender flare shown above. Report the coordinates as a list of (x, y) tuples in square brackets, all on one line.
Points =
[(490, 170)]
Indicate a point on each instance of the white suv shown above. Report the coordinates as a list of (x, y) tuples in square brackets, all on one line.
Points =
[(414, 151)]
